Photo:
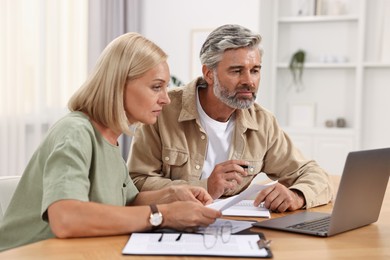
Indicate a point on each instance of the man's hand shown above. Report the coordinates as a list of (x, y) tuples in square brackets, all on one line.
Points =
[(225, 176), (278, 198)]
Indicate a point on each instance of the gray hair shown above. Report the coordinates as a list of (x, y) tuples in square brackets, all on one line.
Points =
[(225, 37)]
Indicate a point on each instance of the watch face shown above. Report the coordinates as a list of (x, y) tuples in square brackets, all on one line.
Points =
[(156, 219)]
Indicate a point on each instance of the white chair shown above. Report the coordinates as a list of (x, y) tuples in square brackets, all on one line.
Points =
[(7, 188)]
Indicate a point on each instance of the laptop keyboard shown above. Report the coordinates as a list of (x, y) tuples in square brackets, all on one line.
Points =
[(320, 225)]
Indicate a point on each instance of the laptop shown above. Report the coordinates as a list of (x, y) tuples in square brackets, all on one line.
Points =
[(358, 202)]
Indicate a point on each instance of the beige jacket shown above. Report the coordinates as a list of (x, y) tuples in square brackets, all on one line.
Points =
[(173, 150)]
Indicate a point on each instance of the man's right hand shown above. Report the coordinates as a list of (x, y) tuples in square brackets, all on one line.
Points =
[(225, 176)]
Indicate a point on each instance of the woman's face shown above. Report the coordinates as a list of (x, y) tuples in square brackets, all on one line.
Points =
[(145, 96)]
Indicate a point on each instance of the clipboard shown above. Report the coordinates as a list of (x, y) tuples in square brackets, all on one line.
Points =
[(192, 244)]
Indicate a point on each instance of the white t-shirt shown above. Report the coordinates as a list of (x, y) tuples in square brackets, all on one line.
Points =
[(219, 139)]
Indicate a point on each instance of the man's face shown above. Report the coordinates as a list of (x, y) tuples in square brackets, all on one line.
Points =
[(237, 77)]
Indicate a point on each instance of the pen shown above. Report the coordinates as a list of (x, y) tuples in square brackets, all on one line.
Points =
[(161, 237), (250, 169)]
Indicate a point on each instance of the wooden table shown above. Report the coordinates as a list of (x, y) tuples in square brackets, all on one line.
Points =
[(369, 242)]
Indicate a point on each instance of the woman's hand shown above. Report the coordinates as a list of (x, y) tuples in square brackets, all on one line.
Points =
[(187, 215), (189, 193)]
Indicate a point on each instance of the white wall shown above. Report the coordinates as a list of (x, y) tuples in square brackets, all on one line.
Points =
[(169, 23), (376, 107)]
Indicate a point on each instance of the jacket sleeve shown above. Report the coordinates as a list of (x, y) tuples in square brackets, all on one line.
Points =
[(284, 162)]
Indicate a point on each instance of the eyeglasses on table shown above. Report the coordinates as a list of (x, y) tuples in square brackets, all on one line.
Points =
[(212, 232)]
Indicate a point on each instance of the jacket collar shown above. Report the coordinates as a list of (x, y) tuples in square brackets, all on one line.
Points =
[(189, 111)]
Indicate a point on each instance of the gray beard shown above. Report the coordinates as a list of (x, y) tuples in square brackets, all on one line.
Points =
[(230, 99)]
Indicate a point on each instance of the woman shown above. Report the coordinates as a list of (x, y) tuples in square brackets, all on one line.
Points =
[(77, 184)]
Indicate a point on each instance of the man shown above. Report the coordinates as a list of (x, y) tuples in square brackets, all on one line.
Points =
[(214, 135)]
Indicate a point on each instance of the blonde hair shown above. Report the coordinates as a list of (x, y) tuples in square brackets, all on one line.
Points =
[(102, 95)]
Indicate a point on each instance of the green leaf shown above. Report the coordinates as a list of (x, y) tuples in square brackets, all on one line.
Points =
[(296, 65)]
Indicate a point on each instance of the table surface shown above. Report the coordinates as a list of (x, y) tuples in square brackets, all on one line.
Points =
[(369, 242)]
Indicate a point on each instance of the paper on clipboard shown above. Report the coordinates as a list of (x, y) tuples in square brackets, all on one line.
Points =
[(251, 190), (191, 244)]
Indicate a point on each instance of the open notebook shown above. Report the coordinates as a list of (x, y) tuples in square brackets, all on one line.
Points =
[(358, 202)]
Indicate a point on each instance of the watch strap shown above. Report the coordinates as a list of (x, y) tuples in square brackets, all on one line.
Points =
[(153, 208)]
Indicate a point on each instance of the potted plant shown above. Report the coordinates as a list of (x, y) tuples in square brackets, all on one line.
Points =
[(176, 81), (296, 67)]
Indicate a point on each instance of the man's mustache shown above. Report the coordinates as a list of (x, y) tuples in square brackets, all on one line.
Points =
[(244, 88)]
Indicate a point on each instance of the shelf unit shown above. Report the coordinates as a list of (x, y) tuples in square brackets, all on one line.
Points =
[(318, 19), (376, 65), (376, 76), (332, 78)]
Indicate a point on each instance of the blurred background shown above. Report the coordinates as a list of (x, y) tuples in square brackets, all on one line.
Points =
[(340, 103)]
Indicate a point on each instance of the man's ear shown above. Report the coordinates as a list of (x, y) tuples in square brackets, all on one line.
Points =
[(208, 74)]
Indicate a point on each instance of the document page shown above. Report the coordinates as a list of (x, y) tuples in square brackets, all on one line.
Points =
[(246, 208), (250, 191), (237, 225), (193, 244)]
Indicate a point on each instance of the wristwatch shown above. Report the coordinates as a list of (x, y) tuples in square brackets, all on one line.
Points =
[(156, 218)]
